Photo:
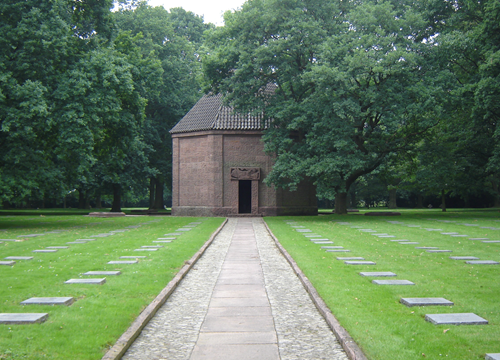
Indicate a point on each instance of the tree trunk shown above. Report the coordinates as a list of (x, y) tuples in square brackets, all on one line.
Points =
[(151, 193), (420, 201), (158, 204), (496, 201), (81, 199), (392, 198), (117, 199), (443, 201), (98, 202), (341, 203)]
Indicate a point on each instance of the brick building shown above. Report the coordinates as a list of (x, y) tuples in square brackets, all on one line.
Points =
[(219, 164)]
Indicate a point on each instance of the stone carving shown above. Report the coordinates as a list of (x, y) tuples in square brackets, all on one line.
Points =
[(245, 173)]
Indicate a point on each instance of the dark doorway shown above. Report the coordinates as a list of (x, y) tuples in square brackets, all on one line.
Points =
[(245, 197)]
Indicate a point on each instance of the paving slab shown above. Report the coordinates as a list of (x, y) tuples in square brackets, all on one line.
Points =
[(18, 258), (23, 318), (7, 263), (86, 281), (495, 356), (426, 302), (45, 251), (102, 273), (360, 263), (456, 319), (49, 301), (464, 258), (378, 273), (482, 262), (123, 262), (392, 282)]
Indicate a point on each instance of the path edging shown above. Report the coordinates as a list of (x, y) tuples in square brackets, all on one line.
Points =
[(128, 337), (352, 349)]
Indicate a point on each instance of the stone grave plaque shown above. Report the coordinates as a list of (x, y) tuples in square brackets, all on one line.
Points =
[(102, 273), (491, 241), (478, 239), (438, 251), (9, 240), (166, 238), (7, 263), (133, 226), (360, 262), (319, 239), (408, 242), (162, 241), (399, 240), (120, 262), (427, 247), (85, 240), (337, 250), (298, 226), (379, 234), (76, 242), (195, 223), (449, 233), (434, 229), (45, 251), (460, 235), (482, 262), (368, 230), (386, 236), (133, 257), (470, 224), (413, 226), (24, 318), (343, 223), (350, 258), (86, 281), (57, 247), (303, 230), (392, 282), (30, 235), (332, 247), (152, 246), (313, 235), (145, 249), (495, 356), (323, 242), (173, 234), (463, 258), (18, 258), (378, 273), (183, 229), (456, 319), (426, 302), (49, 301)]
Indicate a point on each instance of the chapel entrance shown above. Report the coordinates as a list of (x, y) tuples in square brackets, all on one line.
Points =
[(245, 197)]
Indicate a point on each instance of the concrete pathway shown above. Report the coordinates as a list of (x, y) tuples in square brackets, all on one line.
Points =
[(241, 301)]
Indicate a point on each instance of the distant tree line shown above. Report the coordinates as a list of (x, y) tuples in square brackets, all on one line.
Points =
[(372, 97)]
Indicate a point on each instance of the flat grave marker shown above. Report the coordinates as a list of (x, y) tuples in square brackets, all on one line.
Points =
[(449, 233), (120, 262), (392, 282), (85, 240), (408, 242), (495, 356), (378, 273), (45, 251), (379, 234), (102, 273), (438, 251), (166, 238), (464, 258), (313, 235), (361, 262), (482, 262), (332, 247), (184, 229), (350, 258), (318, 239), (162, 241), (427, 247), (434, 229), (67, 301), (7, 263), (303, 230), (173, 234), (86, 281), (491, 241), (426, 302), (13, 240), (145, 250), (478, 238), (399, 240), (76, 242), (460, 235), (24, 318), (18, 258), (133, 257), (456, 319), (152, 246), (337, 250), (323, 242), (386, 236), (57, 247)]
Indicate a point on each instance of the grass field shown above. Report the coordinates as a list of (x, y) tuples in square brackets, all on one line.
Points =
[(372, 314), (100, 314)]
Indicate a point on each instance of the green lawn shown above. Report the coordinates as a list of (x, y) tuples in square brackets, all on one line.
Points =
[(101, 314), (372, 314)]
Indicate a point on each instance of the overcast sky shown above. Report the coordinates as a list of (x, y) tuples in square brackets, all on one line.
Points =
[(211, 10)]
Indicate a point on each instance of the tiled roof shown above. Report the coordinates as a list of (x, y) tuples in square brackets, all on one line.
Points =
[(210, 114)]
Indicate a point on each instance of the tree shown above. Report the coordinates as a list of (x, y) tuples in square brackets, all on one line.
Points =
[(353, 84)]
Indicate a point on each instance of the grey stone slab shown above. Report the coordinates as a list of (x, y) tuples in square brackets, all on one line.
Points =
[(133, 257), (183, 229), (392, 282), (76, 242), (399, 240), (491, 241), (45, 251), (145, 249), (313, 235), (427, 247), (482, 262), (152, 246), (378, 273), (239, 301), (368, 230), (167, 238), (343, 258), (460, 235), (413, 226), (449, 233), (428, 229), (463, 258), (298, 226), (426, 302), (228, 338), (332, 247), (438, 251), (323, 242), (195, 223), (386, 236), (236, 352), (470, 224), (239, 311), (360, 263), (85, 240), (495, 356), (57, 247), (30, 235), (102, 273), (122, 262), (237, 323), (409, 242), (86, 281), (23, 318), (162, 241), (338, 250), (379, 234), (319, 239), (478, 238), (18, 258), (10, 240), (173, 234), (456, 319), (303, 230), (7, 263), (49, 301)]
